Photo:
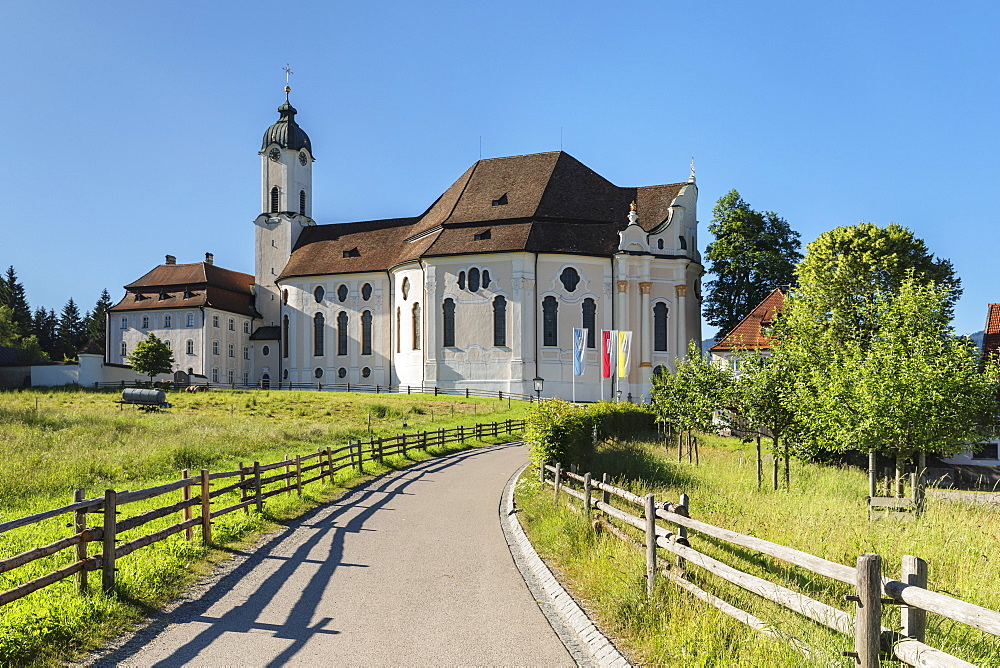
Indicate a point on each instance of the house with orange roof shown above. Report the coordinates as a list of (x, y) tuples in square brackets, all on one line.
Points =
[(750, 333)]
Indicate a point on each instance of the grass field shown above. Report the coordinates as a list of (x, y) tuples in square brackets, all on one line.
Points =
[(825, 513), (52, 442)]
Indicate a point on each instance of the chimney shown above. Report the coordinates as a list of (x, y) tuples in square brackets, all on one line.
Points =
[(209, 258), (171, 259)]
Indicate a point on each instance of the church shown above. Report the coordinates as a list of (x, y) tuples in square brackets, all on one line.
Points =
[(481, 290)]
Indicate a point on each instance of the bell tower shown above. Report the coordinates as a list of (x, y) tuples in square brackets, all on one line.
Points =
[(286, 203)]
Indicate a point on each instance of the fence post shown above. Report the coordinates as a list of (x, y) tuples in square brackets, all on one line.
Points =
[(682, 531), (586, 493), (605, 494), (555, 497), (298, 474), (650, 544), (329, 465), (187, 513), (206, 509), (256, 486), (871, 474), (80, 525), (868, 620), (914, 619), (288, 484), (917, 490), (541, 474), (108, 554)]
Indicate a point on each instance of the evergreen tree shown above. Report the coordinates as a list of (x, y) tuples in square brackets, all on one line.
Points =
[(70, 332), (43, 328), (97, 320), (12, 294), (753, 253)]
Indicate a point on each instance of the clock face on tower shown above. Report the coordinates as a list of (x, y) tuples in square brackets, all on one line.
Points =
[(274, 155), (302, 158)]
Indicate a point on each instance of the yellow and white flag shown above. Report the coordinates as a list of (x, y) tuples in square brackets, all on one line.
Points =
[(624, 352)]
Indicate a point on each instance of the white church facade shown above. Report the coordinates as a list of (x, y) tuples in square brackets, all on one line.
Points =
[(482, 290)]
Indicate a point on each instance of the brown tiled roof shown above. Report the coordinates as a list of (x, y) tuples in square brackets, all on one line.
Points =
[(747, 334), (991, 335), (545, 202), (178, 286)]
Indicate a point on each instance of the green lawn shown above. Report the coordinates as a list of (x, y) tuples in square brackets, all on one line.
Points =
[(54, 441), (825, 513)]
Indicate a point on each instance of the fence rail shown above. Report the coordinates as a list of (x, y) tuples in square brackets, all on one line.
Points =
[(871, 639), (197, 495), (467, 392)]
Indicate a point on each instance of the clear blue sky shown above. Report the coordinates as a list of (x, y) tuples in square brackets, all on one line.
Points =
[(132, 128)]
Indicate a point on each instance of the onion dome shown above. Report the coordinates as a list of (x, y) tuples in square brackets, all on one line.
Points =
[(286, 133)]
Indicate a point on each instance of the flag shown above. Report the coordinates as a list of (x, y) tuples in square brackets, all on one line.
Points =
[(624, 352), (609, 344), (579, 350)]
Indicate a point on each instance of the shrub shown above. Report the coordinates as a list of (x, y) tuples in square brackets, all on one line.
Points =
[(558, 431)]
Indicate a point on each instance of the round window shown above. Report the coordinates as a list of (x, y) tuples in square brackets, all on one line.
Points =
[(406, 288), (366, 291), (342, 293), (265, 351), (319, 293), (366, 372), (342, 372), (318, 372)]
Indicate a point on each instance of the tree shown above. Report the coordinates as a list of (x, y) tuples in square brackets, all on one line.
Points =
[(70, 331), (12, 294), (43, 328), (910, 386), (753, 253), (847, 269), (97, 320), (11, 337), (151, 356), (689, 398)]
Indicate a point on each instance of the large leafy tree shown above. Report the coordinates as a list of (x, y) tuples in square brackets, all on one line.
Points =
[(846, 270), (753, 253), (151, 356), (11, 337), (689, 397)]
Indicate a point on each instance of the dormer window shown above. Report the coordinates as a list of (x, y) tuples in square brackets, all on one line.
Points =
[(500, 201), (482, 236), (164, 295), (354, 252)]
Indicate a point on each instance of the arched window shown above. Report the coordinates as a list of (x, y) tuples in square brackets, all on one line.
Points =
[(232, 324), (342, 293), (215, 375), (399, 336), (284, 336), (302, 202), (590, 320), (319, 322), (473, 280), (486, 278), (275, 199), (448, 311), (416, 325), (660, 326), (232, 376), (189, 347), (499, 321), (570, 278), (366, 333), (246, 377), (232, 350), (246, 353), (550, 311), (284, 296), (461, 280), (342, 333), (366, 291)]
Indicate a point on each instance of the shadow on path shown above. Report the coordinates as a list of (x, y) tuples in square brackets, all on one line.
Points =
[(369, 498)]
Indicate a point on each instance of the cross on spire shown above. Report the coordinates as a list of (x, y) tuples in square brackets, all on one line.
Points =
[(288, 72)]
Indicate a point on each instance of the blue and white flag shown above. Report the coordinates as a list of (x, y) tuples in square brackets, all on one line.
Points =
[(579, 350)]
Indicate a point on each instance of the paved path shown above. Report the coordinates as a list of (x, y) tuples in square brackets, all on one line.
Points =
[(410, 569)]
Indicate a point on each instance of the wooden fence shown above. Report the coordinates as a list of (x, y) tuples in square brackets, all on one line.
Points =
[(466, 392), (255, 484), (873, 590)]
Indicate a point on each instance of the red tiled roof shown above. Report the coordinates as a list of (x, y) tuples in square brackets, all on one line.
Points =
[(991, 336), (551, 202), (747, 334), (178, 286)]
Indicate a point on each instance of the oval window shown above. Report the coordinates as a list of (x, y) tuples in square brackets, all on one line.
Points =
[(473, 280), (461, 280), (342, 372), (659, 244), (342, 293), (486, 278), (366, 291), (318, 372), (318, 294), (570, 279), (265, 351), (366, 372)]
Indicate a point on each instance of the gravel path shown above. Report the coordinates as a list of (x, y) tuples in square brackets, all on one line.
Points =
[(410, 569)]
